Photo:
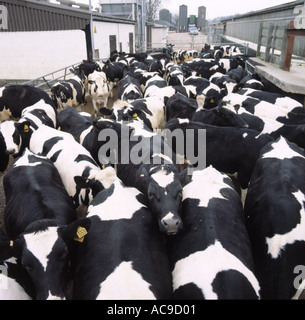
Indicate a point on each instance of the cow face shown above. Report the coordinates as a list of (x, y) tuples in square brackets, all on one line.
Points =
[(16, 135), (45, 251), (164, 191)]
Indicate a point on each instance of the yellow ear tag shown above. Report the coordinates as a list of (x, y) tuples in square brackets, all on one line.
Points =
[(81, 232), (212, 100), (103, 167), (107, 67), (134, 116), (108, 81), (26, 128)]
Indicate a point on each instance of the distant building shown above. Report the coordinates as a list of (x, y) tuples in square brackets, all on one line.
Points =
[(183, 21), (201, 19), (165, 15)]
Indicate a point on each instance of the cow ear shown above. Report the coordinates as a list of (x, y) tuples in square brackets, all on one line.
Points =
[(134, 113), (106, 112), (186, 175), (82, 182), (77, 230), (23, 126), (142, 179)]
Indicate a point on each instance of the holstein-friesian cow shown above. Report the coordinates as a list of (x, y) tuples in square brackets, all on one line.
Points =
[(129, 89), (274, 128), (228, 149), (99, 88), (211, 257), (15, 281), (17, 134), (15, 98), (207, 94), (275, 212), (70, 92), (219, 116), (71, 159), (124, 254), (150, 111), (274, 98), (39, 218), (146, 162)]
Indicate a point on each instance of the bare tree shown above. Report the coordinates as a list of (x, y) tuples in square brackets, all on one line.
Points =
[(152, 7)]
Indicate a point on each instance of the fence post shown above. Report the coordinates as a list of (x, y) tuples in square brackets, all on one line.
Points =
[(259, 41), (269, 38)]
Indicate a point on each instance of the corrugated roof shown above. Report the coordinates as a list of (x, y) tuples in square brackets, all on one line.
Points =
[(30, 15), (26, 15)]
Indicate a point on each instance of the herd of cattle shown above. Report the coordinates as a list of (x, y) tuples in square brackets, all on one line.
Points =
[(157, 228)]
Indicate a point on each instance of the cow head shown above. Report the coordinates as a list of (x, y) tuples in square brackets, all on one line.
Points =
[(16, 135), (45, 251), (163, 187)]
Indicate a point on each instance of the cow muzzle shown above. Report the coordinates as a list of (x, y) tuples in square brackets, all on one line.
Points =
[(171, 224)]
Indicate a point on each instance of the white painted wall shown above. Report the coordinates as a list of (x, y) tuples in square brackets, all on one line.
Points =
[(105, 29), (159, 37), (28, 55)]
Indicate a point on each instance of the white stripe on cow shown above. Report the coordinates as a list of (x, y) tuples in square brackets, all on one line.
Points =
[(279, 241), (202, 267), (40, 244), (282, 151), (125, 283), (194, 190), (125, 196)]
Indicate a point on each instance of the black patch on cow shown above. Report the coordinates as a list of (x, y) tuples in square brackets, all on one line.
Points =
[(49, 144), (55, 156), (189, 291), (231, 284), (83, 157)]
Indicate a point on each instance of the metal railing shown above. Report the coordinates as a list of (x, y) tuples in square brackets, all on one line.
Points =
[(46, 81)]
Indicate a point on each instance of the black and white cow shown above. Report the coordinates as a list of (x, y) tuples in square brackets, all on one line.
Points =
[(180, 106), (274, 98), (205, 68), (274, 128), (39, 218), (145, 161), (71, 159), (154, 83), (174, 75), (219, 116), (70, 92), (224, 82), (15, 98), (99, 89), (16, 284), (124, 254), (17, 134), (274, 209), (200, 87), (228, 149), (129, 89), (150, 111), (114, 70), (211, 257), (166, 92)]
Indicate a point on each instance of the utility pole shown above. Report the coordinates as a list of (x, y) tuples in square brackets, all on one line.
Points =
[(91, 31)]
